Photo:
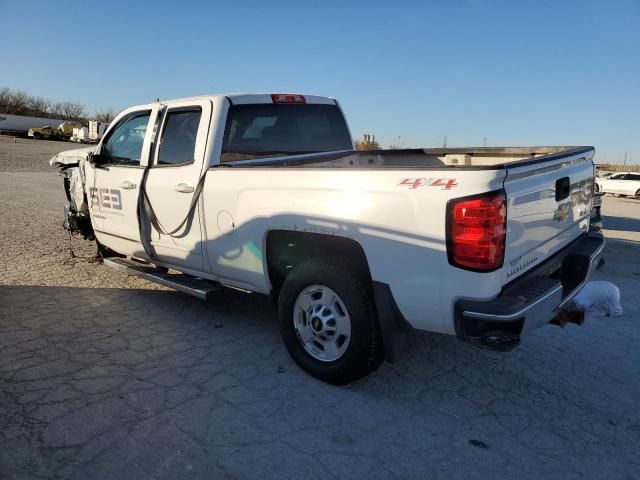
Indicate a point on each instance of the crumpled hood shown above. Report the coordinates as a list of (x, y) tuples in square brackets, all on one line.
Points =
[(71, 157)]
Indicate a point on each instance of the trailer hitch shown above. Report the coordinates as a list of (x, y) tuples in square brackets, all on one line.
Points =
[(570, 314)]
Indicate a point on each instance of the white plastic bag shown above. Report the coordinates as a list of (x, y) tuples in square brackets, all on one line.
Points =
[(600, 298)]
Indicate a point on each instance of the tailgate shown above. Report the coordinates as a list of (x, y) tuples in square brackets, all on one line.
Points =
[(549, 205)]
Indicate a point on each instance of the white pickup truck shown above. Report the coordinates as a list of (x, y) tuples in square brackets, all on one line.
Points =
[(265, 193)]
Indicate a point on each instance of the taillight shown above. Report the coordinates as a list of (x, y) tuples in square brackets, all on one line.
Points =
[(476, 231), (287, 98)]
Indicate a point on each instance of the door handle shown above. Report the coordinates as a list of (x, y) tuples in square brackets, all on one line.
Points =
[(563, 188), (127, 185), (184, 188)]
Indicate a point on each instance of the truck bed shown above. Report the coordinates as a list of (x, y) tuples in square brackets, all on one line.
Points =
[(423, 158)]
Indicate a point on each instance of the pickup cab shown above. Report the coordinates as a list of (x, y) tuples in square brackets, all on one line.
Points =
[(264, 193)]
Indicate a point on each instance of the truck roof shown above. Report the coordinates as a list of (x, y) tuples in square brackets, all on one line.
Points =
[(248, 98)]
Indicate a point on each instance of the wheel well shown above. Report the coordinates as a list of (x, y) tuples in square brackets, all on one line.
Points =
[(286, 249)]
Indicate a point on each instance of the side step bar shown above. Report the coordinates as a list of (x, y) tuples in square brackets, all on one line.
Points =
[(178, 281)]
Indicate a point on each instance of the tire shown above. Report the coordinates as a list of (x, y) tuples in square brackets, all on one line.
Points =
[(359, 350), (36, 136)]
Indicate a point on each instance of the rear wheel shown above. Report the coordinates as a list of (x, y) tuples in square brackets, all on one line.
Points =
[(638, 193), (328, 321)]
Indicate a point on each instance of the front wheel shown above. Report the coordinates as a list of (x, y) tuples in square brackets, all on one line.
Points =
[(328, 321)]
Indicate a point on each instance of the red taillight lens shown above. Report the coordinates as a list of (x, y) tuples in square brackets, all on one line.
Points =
[(477, 231), (287, 98)]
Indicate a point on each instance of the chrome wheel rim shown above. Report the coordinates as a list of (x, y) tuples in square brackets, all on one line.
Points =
[(322, 323)]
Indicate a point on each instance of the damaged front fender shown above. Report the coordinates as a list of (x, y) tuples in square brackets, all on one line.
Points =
[(72, 164)]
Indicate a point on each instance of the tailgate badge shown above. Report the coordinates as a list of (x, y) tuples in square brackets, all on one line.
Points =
[(517, 265), (562, 211)]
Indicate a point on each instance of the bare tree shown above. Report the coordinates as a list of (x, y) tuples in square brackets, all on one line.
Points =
[(5, 100), (17, 102), (68, 110), (39, 106), (105, 115)]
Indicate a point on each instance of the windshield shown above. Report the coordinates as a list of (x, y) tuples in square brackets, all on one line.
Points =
[(268, 130)]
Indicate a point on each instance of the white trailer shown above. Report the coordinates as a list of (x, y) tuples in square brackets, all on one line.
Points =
[(80, 134), (21, 124), (96, 130)]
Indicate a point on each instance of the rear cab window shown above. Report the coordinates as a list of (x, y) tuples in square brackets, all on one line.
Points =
[(271, 130), (178, 140)]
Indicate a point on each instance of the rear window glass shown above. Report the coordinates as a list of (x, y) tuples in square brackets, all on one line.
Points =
[(178, 142), (270, 130)]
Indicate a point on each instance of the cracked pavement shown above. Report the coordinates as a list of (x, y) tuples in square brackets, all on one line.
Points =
[(131, 382)]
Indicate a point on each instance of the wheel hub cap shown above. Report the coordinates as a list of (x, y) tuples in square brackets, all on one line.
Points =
[(322, 323)]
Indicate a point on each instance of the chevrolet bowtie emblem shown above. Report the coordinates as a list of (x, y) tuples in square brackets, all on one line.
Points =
[(562, 211)]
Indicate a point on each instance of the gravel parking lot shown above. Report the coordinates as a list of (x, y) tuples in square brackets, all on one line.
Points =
[(105, 376)]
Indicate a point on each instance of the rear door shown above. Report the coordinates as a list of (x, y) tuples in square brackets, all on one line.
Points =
[(548, 206), (113, 187), (172, 181)]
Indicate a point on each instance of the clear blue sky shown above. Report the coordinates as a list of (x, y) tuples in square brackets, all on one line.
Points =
[(515, 72)]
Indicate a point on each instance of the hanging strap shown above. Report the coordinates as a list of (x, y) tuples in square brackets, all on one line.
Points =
[(153, 218)]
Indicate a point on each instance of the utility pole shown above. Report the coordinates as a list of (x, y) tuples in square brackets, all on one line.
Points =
[(484, 141), (444, 141), (625, 157)]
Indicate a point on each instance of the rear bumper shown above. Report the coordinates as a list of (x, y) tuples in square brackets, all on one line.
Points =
[(532, 301)]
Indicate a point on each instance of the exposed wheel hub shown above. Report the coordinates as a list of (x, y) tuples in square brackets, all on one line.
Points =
[(320, 315)]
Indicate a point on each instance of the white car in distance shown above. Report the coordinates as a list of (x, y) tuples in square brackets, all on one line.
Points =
[(620, 184)]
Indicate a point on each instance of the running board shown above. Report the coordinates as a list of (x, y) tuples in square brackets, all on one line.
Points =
[(178, 281)]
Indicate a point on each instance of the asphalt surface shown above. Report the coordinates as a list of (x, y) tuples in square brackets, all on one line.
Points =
[(130, 382)]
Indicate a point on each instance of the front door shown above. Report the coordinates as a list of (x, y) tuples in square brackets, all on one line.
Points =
[(113, 186), (172, 181)]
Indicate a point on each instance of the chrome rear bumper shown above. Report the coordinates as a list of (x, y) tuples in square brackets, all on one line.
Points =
[(534, 301)]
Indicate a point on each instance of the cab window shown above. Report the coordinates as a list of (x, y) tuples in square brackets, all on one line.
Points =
[(269, 130), (124, 145), (178, 142)]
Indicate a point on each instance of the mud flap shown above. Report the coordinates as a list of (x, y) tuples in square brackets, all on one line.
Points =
[(394, 329)]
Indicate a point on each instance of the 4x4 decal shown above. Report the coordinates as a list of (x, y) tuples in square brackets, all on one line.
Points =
[(414, 183)]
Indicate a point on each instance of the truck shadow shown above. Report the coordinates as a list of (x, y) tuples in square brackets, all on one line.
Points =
[(626, 224)]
